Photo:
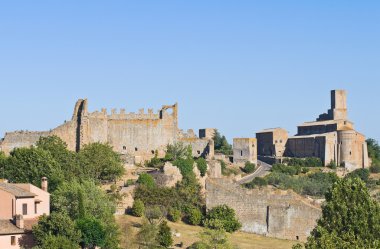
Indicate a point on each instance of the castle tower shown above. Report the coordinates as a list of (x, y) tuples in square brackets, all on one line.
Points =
[(338, 104)]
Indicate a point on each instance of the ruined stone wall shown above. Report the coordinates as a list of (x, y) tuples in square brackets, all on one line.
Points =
[(274, 213), (19, 139)]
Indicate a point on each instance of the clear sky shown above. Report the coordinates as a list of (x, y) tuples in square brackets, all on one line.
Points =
[(239, 66)]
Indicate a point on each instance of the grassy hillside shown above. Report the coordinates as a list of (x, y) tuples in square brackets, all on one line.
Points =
[(189, 234)]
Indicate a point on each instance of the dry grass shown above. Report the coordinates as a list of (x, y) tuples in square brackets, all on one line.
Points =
[(189, 235)]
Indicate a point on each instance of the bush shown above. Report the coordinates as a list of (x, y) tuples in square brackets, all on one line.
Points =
[(304, 162), (138, 208), (146, 180), (332, 165), (363, 174), (174, 214), (202, 166), (185, 166), (258, 181), (375, 168), (164, 236), (289, 170), (222, 217), (304, 170), (194, 216), (249, 167)]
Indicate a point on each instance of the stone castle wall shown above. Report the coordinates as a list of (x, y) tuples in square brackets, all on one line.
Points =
[(274, 213)]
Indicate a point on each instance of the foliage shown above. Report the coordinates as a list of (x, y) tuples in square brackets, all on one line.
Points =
[(99, 161), (297, 246), (222, 217), (249, 167), (185, 166), (57, 224), (221, 144), (57, 242), (194, 216), (155, 162), (155, 214), (147, 236), (375, 168), (177, 151), (313, 184), (304, 162), (129, 182), (93, 232), (350, 218), (30, 165), (202, 166), (164, 236), (174, 214), (138, 208), (146, 180), (289, 170), (373, 151), (332, 164), (258, 181), (212, 239), (363, 174)]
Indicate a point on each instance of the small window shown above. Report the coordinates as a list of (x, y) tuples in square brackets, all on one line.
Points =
[(199, 152), (136, 149), (276, 141), (280, 141), (297, 238), (152, 152), (124, 147), (241, 153), (13, 240), (35, 208), (25, 209), (350, 153)]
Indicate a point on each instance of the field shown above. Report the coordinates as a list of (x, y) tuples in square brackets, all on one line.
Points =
[(189, 234)]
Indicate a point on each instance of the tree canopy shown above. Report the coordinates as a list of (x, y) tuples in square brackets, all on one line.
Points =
[(350, 218)]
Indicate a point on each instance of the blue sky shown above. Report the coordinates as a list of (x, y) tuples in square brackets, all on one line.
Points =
[(239, 66)]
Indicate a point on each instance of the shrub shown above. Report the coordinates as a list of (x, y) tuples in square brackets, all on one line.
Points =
[(185, 166), (258, 181), (249, 167), (129, 182), (332, 165), (375, 168), (194, 216), (164, 236), (289, 170), (222, 217), (138, 208), (304, 170), (363, 174), (146, 180), (174, 214), (202, 166)]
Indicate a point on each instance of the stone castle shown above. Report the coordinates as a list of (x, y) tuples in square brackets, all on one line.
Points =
[(332, 138), (140, 135)]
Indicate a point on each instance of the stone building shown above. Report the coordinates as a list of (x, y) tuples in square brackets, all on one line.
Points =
[(271, 142), (331, 137), (20, 207), (139, 135), (245, 150), (273, 213)]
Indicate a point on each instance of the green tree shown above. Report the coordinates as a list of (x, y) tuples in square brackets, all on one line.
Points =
[(93, 232), (177, 150), (221, 144), (194, 216), (146, 180), (350, 218), (363, 174), (138, 208), (212, 239), (57, 242), (202, 166), (147, 236), (174, 214), (58, 149), (222, 217), (30, 165), (164, 236), (373, 151), (99, 161), (249, 167), (57, 224)]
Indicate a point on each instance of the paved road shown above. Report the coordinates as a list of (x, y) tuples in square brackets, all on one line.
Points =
[(261, 171)]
